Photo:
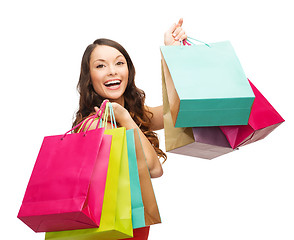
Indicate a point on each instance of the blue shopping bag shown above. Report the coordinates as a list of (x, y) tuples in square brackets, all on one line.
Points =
[(138, 216), (206, 85)]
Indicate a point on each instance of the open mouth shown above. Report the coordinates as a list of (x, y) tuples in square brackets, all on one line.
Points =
[(112, 84)]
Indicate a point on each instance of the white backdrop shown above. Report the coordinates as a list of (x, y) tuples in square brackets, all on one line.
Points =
[(247, 194)]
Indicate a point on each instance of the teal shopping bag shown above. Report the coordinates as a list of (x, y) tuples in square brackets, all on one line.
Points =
[(206, 85), (138, 216)]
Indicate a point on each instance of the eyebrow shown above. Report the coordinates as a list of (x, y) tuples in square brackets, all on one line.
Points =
[(103, 60)]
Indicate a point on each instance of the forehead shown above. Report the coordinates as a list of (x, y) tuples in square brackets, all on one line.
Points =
[(105, 53)]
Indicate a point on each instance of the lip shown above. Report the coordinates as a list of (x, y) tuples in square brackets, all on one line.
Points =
[(113, 87), (110, 80)]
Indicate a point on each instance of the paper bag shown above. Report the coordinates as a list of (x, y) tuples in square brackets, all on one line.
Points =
[(263, 120), (201, 142), (206, 85), (60, 194)]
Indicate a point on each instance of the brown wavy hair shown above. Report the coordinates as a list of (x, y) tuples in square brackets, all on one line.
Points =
[(134, 97)]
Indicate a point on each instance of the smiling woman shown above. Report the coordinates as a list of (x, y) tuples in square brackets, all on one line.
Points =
[(107, 72)]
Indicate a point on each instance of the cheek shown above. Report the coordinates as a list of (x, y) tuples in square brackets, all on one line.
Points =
[(125, 73), (96, 76), (97, 80)]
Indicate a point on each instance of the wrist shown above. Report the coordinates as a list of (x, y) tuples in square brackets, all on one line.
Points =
[(128, 123)]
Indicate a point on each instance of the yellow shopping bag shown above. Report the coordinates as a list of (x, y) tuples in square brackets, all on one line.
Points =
[(116, 219)]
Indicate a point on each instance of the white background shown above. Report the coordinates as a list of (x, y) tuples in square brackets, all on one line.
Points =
[(247, 194)]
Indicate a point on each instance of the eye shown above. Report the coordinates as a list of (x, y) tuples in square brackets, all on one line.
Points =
[(120, 63), (100, 66)]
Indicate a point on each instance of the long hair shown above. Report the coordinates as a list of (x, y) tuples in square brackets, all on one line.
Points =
[(134, 97)]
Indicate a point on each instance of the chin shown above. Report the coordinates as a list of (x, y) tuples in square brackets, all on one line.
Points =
[(114, 97)]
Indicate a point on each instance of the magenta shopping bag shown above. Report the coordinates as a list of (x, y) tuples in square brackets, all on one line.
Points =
[(66, 187), (262, 121)]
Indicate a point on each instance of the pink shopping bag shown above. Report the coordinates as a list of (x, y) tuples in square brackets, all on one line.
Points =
[(67, 184), (262, 121)]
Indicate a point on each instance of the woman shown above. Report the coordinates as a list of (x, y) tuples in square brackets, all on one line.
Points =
[(107, 72)]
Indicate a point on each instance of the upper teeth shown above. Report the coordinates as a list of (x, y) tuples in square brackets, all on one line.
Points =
[(112, 82)]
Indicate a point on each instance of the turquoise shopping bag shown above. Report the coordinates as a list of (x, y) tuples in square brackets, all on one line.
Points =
[(138, 217), (206, 85)]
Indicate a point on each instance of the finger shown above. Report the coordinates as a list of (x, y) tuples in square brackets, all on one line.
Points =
[(172, 28), (179, 35), (183, 37), (96, 109), (180, 23), (98, 112), (176, 32)]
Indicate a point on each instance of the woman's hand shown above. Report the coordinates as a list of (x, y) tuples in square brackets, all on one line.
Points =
[(122, 116), (175, 34)]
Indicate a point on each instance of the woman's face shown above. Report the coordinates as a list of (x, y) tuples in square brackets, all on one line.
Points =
[(109, 73)]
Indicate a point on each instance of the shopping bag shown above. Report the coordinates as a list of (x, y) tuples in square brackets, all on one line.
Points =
[(146, 193), (201, 142), (206, 85), (138, 218), (140, 234), (116, 220), (66, 187), (144, 206), (151, 211), (262, 121)]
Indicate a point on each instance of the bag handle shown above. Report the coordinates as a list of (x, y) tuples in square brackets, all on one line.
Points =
[(93, 118), (81, 124), (112, 117), (102, 122), (189, 41), (108, 112)]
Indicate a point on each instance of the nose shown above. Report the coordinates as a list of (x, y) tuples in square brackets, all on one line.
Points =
[(112, 70)]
